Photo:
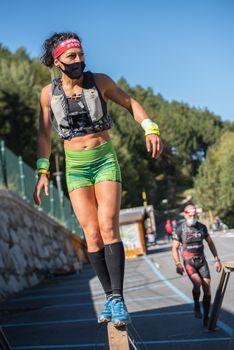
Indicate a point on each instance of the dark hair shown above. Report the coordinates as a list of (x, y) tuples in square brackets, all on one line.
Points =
[(50, 45)]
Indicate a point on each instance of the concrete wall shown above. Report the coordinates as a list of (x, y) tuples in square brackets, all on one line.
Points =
[(31, 245)]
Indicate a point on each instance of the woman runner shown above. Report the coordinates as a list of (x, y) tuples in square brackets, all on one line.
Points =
[(76, 105)]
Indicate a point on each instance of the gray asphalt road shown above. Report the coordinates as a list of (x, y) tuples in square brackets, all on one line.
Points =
[(61, 313)]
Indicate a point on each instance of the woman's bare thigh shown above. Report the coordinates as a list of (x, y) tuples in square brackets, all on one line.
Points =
[(85, 207), (108, 196)]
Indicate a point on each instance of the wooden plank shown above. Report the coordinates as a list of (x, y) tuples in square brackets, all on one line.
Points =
[(117, 337), (229, 265)]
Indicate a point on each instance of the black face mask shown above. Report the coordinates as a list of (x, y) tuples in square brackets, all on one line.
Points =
[(73, 70)]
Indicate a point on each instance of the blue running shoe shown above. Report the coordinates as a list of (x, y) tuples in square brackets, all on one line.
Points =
[(120, 316), (105, 315)]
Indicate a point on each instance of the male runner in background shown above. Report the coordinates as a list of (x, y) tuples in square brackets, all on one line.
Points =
[(190, 235)]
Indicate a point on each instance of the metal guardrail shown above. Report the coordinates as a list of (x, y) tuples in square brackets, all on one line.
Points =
[(18, 177)]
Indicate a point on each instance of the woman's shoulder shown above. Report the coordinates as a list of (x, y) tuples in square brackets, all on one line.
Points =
[(103, 81), (45, 93), (101, 77), (46, 89)]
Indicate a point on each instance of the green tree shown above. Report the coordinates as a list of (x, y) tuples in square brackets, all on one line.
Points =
[(214, 184)]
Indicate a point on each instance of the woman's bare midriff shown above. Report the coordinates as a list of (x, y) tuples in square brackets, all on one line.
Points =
[(86, 142)]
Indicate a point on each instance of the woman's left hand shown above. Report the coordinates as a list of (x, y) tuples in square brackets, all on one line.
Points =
[(154, 144)]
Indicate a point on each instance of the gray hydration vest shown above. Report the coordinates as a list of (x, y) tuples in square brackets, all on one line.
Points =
[(90, 113)]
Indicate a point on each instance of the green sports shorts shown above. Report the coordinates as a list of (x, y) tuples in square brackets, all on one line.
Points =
[(88, 167)]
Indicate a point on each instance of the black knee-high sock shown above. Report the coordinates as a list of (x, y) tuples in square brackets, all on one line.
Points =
[(115, 261), (206, 305), (98, 262), (196, 296)]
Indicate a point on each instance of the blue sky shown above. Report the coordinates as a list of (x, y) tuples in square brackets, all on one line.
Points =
[(183, 49)]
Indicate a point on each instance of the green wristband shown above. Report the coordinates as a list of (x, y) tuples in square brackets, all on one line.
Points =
[(43, 163)]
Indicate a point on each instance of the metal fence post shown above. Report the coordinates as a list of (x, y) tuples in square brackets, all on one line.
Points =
[(3, 163), (21, 172), (61, 199), (51, 198), (58, 174)]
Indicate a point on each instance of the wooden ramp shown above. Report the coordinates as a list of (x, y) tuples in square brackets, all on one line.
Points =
[(117, 337), (228, 267)]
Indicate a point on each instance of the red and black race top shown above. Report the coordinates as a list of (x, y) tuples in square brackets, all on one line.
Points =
[(191, 238)]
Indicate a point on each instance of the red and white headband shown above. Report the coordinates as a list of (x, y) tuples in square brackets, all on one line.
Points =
[(65, 45), (191, 211)]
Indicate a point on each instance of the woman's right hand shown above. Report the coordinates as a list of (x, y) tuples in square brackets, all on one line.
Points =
[(43, 182)]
